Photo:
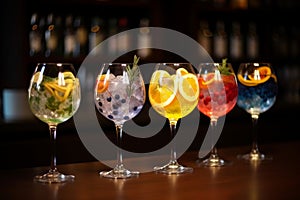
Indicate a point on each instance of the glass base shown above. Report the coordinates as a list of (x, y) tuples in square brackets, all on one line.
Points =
[(213, 161), (173, 168), (54, 177), (119, 172), (257, 156)]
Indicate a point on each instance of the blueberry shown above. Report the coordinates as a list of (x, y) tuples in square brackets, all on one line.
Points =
[(100, 110), (115, 112), (117, 96), (109, 99), (100, 103), (135, 108), (126, 118), (115, 106), (110, 116), (123, 101)]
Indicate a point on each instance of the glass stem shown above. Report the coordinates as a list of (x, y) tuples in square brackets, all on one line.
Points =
[(173, 158), (119, 132), (213, 153), (52, 129), (254, 149)]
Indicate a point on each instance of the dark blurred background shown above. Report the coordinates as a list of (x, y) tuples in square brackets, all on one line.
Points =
[(45, 31)]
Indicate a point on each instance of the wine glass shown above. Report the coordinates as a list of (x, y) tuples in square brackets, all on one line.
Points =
[(258, 89), (218, 96), (119, 96), (173, 93), (54, 97)]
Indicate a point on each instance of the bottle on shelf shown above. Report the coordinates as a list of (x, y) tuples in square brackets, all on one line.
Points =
[(236, 41), (53, 36), (69, 37), (123, 37), (252, 41), (81, 33), (239, 4), (96, 34), (36, 42), (144, 38), (205, 36), (112, 42), (220, 41)]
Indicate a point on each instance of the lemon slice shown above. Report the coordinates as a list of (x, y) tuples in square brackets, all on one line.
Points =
[(102, 84), (188, 87), (162, 88), (181, 71)]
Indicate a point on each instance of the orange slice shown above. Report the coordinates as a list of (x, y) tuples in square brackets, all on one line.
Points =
[(102, 84), (188, 87), (260, 75), (245, 81), (162, 88)]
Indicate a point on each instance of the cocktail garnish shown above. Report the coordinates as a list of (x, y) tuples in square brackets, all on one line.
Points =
[(102, 84), (133, 74), (260, 75), (223, 68)]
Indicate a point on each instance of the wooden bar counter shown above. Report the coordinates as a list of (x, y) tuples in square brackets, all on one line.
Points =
[(275, 179)]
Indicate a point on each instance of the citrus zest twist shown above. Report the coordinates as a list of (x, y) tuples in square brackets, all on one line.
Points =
[(216, 76), (60, 91), (260, 75)]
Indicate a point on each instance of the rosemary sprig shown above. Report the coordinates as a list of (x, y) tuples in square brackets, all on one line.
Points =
[(133, 74), (223, 68)]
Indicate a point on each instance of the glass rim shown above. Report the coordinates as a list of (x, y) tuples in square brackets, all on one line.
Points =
[(54, 63), (209, 63), (255, 63), (117, 63), (172, 63)]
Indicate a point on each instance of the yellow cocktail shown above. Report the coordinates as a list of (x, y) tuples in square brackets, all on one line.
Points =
[(173, 93), (173, 96)]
